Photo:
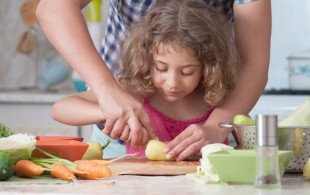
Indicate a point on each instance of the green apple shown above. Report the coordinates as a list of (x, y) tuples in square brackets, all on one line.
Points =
[(94, 150), (243, 120)]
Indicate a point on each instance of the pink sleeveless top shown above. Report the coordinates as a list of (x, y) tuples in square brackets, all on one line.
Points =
[(165, 127)]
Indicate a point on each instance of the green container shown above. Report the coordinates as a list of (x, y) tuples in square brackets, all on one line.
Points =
[(238, 166)]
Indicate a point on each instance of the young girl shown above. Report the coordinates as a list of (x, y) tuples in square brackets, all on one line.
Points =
[(179, 60)]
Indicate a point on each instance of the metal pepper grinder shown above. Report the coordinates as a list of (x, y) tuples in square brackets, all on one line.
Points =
[(267, 161)]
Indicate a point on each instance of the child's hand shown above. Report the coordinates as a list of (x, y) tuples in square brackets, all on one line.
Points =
[(192, 139)]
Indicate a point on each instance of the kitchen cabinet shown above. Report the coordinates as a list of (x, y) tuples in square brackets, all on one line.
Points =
[(30, 112)]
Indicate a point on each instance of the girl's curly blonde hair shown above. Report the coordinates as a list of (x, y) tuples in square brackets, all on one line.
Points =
[(189, 24)]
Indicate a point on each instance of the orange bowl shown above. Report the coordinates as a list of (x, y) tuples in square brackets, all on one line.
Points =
[(68, 149), (58, 138)]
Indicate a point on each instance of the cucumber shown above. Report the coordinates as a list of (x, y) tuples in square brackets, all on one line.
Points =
[(6, 166)]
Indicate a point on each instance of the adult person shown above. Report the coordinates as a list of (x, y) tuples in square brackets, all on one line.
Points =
[(65, 27)]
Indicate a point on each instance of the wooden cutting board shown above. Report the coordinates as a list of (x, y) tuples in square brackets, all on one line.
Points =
[(143, 166)]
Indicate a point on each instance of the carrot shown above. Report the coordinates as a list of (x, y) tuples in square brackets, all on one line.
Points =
[(95, 170), (62, 172), (26, 168), (86, 169), (75, 171)]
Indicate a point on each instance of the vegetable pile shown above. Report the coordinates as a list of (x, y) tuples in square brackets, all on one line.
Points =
[(16, 156), (13, 148), (64, 169)]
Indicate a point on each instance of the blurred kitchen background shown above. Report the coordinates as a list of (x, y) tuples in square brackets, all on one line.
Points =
[(25, 54), (32, 73)]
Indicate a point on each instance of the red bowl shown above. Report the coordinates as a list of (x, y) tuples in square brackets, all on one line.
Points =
[(58, 138), (68, 149)]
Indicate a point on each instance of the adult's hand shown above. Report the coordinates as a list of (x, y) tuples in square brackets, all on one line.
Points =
[(126, 118)]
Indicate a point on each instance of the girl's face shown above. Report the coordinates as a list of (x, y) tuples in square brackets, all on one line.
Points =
[(175, 73)]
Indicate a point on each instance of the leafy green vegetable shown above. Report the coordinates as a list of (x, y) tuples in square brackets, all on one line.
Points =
[(47, 162), (5, 131), (18, 146)]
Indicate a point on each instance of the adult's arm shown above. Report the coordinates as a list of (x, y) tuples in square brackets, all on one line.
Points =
[(252, 37), (64, 25)]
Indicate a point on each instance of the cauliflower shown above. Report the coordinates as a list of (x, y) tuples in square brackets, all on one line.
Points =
[(18, 146)]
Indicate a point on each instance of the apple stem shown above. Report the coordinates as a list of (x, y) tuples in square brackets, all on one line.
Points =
[(106, 144)]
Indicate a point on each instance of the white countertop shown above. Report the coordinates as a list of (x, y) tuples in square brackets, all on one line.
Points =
[(136, 185), (33, 96)]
